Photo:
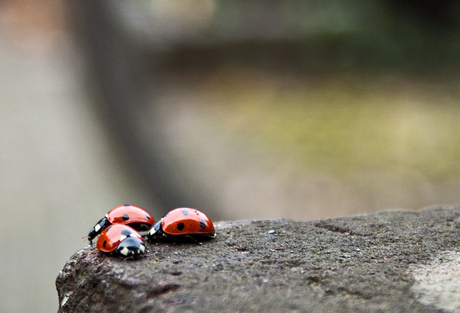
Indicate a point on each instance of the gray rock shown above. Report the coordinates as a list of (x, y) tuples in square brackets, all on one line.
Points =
[(366, 263)]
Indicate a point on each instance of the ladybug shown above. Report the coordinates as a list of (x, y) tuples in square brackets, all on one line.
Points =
[(131, 215), (183, 223), (121, 240)]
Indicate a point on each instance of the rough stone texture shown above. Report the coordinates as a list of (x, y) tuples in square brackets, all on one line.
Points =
[(362, 263)]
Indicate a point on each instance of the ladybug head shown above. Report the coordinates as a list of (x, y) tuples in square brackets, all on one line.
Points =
[(97, 229), (130, 247), (155, 230)]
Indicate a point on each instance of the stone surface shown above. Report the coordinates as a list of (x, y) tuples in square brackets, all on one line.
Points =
[(366, 263)]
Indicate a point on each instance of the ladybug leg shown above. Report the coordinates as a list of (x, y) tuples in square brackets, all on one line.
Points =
[(192, 238)]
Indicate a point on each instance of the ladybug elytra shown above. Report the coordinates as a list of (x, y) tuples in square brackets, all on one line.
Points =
[(131, 215), (183, 223)]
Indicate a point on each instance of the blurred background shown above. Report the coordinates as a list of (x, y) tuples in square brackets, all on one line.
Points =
[(243, 109)]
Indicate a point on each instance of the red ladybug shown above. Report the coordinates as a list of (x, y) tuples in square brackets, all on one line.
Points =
[(121, 240), (131, 215), (183, 223)]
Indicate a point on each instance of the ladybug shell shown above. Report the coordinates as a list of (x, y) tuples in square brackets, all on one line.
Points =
[(187, 221), (130, 214), (111, 238)]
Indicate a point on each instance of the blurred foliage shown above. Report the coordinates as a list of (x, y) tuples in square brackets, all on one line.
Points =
[(368, 87), (421, 36), (346, 123)]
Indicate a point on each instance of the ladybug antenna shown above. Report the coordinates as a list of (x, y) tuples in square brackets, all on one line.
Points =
[(86, 238)]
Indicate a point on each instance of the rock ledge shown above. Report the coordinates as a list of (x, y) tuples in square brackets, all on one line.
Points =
[(365, 263)]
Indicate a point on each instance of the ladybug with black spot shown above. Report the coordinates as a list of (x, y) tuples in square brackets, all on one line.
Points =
[(183, 223), (122, 240), (127, 214)]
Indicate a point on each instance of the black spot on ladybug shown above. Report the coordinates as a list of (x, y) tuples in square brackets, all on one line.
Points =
[(180, 226), (125, 217), (126, 205), (147, 216), (126, 232), (105, 242), (203, 224), (185, 212)]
